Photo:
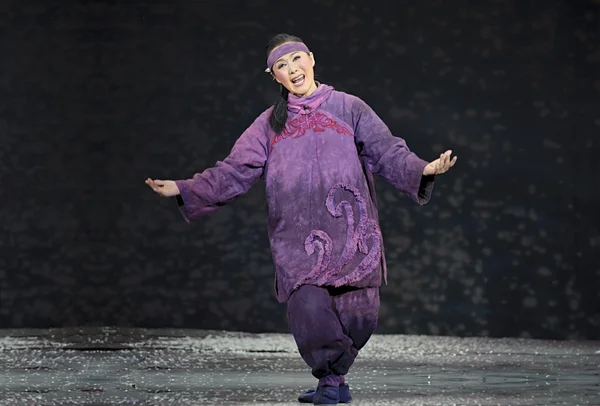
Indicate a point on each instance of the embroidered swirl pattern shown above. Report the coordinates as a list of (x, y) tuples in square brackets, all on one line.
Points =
[(356, 240), (317, 122)]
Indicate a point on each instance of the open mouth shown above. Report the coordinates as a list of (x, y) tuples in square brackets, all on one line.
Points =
[(299, 81)]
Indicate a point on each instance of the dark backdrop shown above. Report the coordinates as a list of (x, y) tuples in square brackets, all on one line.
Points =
[(97, 96)]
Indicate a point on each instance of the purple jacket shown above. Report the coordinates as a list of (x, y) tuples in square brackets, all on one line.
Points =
[(323, 224)]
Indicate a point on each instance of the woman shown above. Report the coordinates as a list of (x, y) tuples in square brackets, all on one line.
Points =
[(318, 150)]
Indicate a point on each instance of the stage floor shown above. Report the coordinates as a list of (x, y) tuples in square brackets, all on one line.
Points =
[(115, 366)]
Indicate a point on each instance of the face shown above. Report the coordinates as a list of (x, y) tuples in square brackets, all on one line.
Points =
[(295, 72)]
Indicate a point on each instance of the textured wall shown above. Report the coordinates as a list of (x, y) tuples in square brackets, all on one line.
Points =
[(96, 97)]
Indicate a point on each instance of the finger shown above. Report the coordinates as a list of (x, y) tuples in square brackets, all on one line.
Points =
[(448, 155), (443, 160), (447, 159), (453, 161), (152, 184)]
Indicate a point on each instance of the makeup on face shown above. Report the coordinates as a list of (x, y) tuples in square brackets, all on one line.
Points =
[(294, 69), (295, 72)]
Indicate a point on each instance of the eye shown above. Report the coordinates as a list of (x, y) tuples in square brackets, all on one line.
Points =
[(281, 65), (296, 57)]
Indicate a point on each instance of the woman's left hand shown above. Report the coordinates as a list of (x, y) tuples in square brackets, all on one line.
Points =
[(165, 188), (440, 165)]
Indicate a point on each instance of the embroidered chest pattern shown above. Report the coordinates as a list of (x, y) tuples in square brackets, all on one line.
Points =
[(317, 122)]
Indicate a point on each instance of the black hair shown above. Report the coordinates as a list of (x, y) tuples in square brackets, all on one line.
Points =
[(279, 114)]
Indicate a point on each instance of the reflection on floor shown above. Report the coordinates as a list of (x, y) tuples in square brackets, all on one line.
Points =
[(112, 366)]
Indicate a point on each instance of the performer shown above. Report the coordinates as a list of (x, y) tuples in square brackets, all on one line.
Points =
[(318, 150)]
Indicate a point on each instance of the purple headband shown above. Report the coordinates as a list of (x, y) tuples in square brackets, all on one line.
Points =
[(283, 50)]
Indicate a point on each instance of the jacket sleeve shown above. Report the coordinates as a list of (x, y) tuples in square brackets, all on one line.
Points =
[(207, 191), (388, 156)]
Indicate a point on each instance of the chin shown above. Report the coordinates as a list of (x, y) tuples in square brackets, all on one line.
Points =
[(300, 91)]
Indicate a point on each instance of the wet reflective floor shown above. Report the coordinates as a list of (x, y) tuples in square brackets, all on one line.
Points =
[(110, 366)]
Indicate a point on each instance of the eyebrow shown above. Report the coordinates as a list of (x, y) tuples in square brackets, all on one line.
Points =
[(279, 60)]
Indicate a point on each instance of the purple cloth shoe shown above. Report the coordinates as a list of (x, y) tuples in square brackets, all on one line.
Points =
[(344, 395), (326, 395)]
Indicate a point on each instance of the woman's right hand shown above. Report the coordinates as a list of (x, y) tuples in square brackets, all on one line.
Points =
[(166, 188)]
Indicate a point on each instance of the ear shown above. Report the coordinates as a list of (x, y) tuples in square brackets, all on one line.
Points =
[(312, 56), (275, 78)]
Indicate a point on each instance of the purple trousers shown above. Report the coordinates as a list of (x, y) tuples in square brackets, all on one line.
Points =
[(330, 326)]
